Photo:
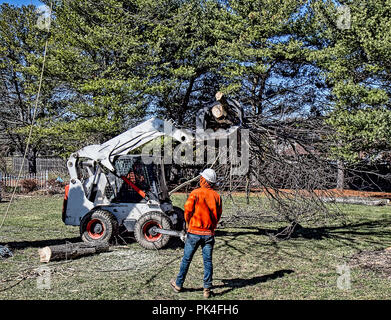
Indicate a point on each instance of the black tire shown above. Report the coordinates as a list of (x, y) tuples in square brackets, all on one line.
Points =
[(143, 226), (181, 224), (98, 226)]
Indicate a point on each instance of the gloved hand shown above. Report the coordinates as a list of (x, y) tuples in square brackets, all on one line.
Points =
[(183, 236)]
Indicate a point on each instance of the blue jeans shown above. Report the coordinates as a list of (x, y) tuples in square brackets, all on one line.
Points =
[(193, 241)]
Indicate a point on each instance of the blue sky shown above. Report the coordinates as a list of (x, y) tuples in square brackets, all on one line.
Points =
[(22, 2)]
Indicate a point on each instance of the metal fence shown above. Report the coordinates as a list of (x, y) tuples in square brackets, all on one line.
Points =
[(43, 164), (11, 181)]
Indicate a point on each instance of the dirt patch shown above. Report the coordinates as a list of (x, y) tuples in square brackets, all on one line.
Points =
[(361, 194), (377, 260), (127, 259)]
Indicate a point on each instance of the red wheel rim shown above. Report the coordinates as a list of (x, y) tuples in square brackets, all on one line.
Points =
[(147, 231), (95, 228)]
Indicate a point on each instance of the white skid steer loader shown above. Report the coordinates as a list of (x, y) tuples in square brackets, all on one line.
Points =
[(109, 188)]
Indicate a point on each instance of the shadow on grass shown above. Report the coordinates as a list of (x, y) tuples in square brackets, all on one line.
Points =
[(344, 232), (350, 234), (313, 240), (367, 228), (124, 239), (232, 284), (175, 243), (20, 245)]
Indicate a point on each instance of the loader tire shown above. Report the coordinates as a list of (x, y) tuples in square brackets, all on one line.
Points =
[(143, 234), (181, 224), (98, 226)]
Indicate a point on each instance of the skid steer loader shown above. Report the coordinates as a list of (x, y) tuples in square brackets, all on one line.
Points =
[(109, 188)]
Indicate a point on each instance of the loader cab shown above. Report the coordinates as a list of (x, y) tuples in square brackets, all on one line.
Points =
[(148, 175)]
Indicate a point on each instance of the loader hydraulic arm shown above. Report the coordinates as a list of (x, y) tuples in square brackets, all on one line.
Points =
[(128, 141), (136, 137), (98, 158)]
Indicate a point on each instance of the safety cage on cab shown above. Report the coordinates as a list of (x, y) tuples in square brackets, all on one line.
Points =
[(147, 173)]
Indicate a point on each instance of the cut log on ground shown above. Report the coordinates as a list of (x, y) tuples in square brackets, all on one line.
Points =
[(362, 201), (71, 251)]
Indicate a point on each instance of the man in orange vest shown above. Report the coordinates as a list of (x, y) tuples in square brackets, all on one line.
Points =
[(203, 210)]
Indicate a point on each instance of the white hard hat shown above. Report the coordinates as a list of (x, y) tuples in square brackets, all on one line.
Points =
[(209, 175)]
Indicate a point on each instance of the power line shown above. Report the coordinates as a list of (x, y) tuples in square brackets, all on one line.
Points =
[(32, 121)]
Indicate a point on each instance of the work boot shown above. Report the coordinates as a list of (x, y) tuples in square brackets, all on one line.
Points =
[(207, 293), (174, 286)]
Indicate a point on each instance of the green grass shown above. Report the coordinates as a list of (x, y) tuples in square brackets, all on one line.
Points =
[(247, 263)]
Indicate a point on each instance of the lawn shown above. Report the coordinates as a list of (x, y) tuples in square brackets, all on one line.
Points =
[(248, 264)]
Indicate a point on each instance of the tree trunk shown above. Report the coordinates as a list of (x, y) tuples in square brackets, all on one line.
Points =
[(186, 100), (32, 161), (356, 200), (248, 188), (71, 251), (340, 175)]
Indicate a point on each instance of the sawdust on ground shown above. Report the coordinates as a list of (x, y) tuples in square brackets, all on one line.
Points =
[(375, 260)]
